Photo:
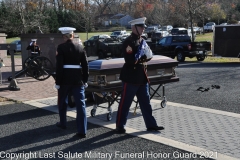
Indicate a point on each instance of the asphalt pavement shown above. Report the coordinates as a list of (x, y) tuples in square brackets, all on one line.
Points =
[(202, 74), (31, 133)]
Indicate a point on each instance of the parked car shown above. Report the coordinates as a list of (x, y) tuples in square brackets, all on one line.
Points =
[(209, 27), (77, 39), (198, 30), (91, 40), (124, 36), (223, 24), (156, 36), (18, 45), (182, 31), (167, 28), (149, 30), (118, 34), (180, 46), (108, 47), (144, 35)]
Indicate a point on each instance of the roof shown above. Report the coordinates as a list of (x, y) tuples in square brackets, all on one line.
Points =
[(118, 16)]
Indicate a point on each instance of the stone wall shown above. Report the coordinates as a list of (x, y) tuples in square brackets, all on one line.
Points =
[(3, 53)]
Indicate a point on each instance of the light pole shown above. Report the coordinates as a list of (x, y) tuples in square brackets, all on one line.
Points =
[(87, 17), (164, 9)]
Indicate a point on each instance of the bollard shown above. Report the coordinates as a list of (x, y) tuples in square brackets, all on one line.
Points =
[(13, 84), (10, 48)]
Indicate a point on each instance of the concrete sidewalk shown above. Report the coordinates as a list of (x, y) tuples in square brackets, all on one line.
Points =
[(207, 132)]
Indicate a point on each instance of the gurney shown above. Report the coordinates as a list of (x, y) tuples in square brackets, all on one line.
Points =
[(104, 80)]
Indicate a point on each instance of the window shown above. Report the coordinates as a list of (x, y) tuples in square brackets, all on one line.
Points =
[(182, 32), (162, 41), (168, 41)]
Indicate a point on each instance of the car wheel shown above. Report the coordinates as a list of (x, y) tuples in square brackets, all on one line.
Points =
[(180, 56), (200, 58)]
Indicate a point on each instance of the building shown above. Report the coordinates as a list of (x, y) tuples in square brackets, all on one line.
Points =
[(120, 19)]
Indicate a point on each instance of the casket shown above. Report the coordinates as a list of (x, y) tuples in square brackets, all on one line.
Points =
[(104, 74)]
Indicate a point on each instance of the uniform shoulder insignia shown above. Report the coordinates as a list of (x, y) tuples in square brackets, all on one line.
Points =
[(129, 50)]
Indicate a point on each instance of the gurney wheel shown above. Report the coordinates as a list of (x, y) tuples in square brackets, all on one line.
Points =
[(109, 116), (163, 103), (93, 112)]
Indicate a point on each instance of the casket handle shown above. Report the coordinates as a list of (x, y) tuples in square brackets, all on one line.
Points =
[(94, 83), (158, 76), (113, 82), (107, 83)]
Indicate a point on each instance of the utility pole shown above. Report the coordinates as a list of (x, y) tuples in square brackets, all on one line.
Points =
[(190, 16), (87, 17)]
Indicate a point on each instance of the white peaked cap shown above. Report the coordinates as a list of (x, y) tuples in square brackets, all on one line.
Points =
[(33, 40), (66, 30), (138, 21)]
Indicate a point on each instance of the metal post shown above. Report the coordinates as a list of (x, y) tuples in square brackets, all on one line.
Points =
[(10, 48), (13, 84), (0, 76)]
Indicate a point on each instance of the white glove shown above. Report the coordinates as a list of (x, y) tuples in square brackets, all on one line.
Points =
[(57, 86), (85, 85)]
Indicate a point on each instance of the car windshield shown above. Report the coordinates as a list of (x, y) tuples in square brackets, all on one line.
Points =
[(174, 31), (15, 41), (104, 36), (150, 29), (210, 23), (115, 33), (93, 38), (164, 28)]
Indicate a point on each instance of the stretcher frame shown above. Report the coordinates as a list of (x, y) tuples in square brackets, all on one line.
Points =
[(106, 93)]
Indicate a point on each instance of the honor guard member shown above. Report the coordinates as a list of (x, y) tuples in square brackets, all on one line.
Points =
[(71, 76), (134, 78), (34, 48)]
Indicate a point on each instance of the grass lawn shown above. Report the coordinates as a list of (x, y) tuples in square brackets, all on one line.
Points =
[(215, 60), (9, 40), (205, 37)]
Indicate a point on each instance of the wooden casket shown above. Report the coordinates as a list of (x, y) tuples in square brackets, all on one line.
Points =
[(104, 74)]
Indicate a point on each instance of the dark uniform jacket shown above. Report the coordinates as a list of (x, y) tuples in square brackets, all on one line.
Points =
[(131, 72), (34, 49), (70, 53)]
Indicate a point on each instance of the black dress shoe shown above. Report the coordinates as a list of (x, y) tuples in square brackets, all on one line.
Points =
[(156, 128), (80, 135), (120, 130), (58, 124)]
